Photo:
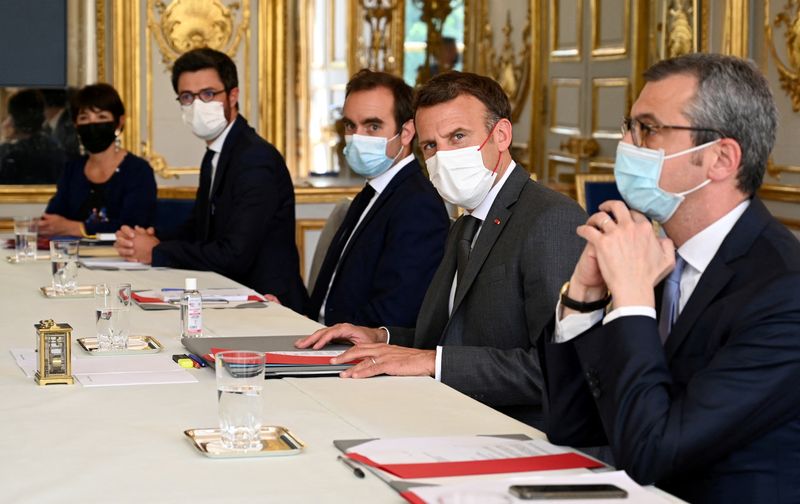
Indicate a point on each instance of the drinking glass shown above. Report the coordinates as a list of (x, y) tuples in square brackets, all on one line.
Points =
[(25, 234), (112, 316), (64, 265), (240, 379)]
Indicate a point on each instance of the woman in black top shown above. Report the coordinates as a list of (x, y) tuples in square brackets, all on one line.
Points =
[(109, 187)]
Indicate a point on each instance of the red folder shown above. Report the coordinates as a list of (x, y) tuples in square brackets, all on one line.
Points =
[(142, 299), (293, 360), (472, 467)]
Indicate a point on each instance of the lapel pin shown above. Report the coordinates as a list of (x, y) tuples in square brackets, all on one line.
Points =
[(497, 221)]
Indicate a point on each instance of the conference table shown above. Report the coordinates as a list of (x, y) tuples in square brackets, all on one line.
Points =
[(69, 443)]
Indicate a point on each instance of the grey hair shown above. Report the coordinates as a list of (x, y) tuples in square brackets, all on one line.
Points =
[(734, 98)]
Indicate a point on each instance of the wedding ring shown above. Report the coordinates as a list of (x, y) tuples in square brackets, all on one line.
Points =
[(374, 362), (604, 223)]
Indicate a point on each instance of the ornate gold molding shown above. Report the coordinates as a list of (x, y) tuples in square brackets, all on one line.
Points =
[(184, 25), (100, 31), (386, 21), (272, 63), (511, 70), (788, 74), (679, 23), (433, 14), (735, 32), (600, 51), (537, 88), (26, 193), (125, 70), (558, 53)]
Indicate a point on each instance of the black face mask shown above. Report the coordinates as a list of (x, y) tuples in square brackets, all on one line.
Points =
[(96, 137)]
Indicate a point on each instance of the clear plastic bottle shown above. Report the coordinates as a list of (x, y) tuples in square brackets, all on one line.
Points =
[(191, 310)]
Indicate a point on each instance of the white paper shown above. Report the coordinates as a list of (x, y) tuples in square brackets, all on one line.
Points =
[(452, 449), (496, 490), (145, 378), (26, 359), (114, 263), (230, 295), (99, 371)]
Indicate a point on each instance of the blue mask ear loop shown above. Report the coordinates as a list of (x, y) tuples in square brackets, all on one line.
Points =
[(500, 154), (394, 159)]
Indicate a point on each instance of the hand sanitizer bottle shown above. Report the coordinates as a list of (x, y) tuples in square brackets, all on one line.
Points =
[(191, 310)]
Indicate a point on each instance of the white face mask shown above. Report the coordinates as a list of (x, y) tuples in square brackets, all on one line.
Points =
[(460, 176), (207, 120)]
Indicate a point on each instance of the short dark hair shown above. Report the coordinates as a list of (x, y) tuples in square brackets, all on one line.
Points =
[(54, 97), (732, 97), (450, 85), (366, 80), (98, 97), (202, 58), (26, 109)]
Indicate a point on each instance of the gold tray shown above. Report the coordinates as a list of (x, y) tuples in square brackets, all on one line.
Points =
[(83, 291), (142, 345), (277, 441), (39, 257)]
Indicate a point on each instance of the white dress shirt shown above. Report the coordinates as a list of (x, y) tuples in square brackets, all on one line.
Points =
[(378, 183), (698, 252), (479, 212), (216, 146)]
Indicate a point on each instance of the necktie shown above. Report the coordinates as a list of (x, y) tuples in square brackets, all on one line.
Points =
[(670, 299), (205, 170), (336, 248), (464, 247)]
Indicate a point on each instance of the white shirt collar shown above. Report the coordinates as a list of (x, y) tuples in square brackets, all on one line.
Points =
[(216, 145), (702, 247), (482, 210), (380, 182)]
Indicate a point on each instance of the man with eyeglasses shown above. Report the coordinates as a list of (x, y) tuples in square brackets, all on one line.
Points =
[(243, 224), (687, 362)]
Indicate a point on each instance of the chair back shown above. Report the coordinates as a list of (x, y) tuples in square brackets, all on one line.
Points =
[(592, 189), (325, 237)]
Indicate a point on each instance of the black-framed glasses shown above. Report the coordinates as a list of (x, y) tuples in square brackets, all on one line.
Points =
[(641, 131), (205, 95)]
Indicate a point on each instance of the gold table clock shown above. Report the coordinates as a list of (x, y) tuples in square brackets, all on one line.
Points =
[(55, 353)]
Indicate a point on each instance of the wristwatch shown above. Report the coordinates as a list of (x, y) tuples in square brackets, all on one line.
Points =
[(580, 306)]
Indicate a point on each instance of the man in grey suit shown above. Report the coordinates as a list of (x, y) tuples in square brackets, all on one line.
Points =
[(504, 261)]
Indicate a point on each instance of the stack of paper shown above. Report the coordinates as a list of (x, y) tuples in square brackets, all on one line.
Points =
[(212, 298), (300, 362), (113, 371)]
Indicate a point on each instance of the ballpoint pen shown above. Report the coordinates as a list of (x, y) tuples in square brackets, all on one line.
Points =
[(351, 465)]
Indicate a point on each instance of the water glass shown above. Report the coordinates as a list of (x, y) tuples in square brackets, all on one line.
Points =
[(112, 316), (240, 379), (64, 265), (25, 234)]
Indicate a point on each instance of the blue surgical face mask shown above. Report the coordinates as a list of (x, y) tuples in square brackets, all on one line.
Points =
[(637, 171), (366, 155)]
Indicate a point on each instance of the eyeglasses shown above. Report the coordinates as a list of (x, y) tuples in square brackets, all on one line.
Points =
[(205, 95), (640, 131)]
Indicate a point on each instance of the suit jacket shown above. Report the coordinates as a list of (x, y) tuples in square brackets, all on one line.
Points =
[(714, 415), (245, 229), (385, 269), (525, 250)]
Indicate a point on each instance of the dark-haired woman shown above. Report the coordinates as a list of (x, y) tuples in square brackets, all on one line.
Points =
[(109, 186)]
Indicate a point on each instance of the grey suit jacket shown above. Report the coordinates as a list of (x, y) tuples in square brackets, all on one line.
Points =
[(526, 249)]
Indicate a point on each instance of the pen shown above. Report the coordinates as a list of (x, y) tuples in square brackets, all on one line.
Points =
[(199, 360), (352, 465)]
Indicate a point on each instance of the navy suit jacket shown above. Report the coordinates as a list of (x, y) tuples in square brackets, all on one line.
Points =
[(245, 230), (385, 270), (714, 415)]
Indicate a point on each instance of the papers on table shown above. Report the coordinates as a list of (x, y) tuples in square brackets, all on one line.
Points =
[(311, 359), (496, 490), (111, 264), (432, 457), (115, 370), (165, 299)]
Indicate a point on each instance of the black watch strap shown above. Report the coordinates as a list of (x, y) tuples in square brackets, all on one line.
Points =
[(580, 306)]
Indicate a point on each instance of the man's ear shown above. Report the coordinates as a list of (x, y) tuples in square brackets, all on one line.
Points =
[(407, 133), (233, 97), (728, 160), (503, 134)]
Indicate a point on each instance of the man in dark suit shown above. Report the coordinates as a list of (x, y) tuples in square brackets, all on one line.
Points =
[(385, 252), (505, 259), (702, 399), (242, 225)]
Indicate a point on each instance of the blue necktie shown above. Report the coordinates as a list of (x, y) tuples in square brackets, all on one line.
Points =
[(670, 299)]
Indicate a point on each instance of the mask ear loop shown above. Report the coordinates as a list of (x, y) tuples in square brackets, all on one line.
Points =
[(400, 150), (500, 156)]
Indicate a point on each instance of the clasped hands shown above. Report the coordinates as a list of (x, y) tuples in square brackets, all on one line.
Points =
[(136, 244), (622, 255), (375, 355)]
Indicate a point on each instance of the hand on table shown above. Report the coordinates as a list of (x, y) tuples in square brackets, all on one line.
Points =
[(54, 225), (342, 333), (136, 244), (380, 358)]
